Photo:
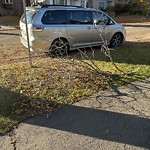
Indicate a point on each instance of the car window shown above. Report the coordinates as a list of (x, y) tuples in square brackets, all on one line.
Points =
[(97, 17), (102, 19), (54, 17), (79, 17), (30, 15)]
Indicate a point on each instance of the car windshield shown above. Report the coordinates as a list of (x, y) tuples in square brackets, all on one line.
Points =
[(30, 15)]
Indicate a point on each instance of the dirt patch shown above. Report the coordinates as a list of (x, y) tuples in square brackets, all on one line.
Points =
[(12, 52), (10, 47)]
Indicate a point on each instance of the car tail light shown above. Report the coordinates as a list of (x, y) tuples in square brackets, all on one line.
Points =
[(38, 29)]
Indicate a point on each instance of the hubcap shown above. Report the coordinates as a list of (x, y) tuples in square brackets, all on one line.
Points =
[(117, 39)]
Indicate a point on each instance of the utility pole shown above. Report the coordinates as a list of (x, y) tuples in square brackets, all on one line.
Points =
[(27, 33), (85, 3)]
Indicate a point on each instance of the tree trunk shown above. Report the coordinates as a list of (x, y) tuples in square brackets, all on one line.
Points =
[(1, 9), (17, 7), (148, 11), (90, 3)]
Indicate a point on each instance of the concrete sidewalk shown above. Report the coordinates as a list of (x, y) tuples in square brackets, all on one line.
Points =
[(116, 119), (8, 28)]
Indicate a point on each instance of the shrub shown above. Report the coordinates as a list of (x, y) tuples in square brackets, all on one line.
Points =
[(110, 8), (138, 7), (121, 8), (133, 7)]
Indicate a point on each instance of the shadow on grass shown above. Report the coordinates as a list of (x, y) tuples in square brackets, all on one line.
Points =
[(136, 53), (11, 111)]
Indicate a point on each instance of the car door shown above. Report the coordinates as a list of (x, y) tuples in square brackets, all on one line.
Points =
[(103, 28), (79, 28)]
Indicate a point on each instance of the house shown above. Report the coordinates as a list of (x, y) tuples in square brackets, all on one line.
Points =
[(103, 4), (15, 7), (98, 4), (11, 7)]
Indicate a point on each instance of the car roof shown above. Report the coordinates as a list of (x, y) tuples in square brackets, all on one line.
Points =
[(60, 7)]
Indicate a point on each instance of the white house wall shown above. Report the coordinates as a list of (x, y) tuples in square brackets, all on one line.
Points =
[(103, 3), (50, 2), (69, 2), (74, 2), (96, 3)]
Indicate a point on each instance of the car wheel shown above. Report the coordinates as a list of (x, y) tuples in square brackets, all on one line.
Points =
[(116, 40), (59, 47)]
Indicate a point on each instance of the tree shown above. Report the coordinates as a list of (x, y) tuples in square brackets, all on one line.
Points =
[(90, 3), (148, 11), (17, 7), (1, 8)]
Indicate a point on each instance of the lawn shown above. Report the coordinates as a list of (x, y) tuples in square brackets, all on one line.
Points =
[(9, 20), (53, 82), (127, 19)]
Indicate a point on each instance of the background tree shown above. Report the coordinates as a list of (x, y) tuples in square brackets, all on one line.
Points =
[(17, 7), (133, 7), (90, 3), (1, 6), (148, 11)]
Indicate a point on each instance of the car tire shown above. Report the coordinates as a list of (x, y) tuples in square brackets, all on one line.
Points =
[(59, 47), (116, 40)]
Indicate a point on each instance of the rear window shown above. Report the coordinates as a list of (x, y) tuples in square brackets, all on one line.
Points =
[(30, 15), (54, 17)]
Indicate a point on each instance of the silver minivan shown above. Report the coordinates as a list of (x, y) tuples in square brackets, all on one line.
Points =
[(57, 29)]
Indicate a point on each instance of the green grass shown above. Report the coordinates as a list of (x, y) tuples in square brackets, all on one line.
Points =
[(9, 20), (53, 82)]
